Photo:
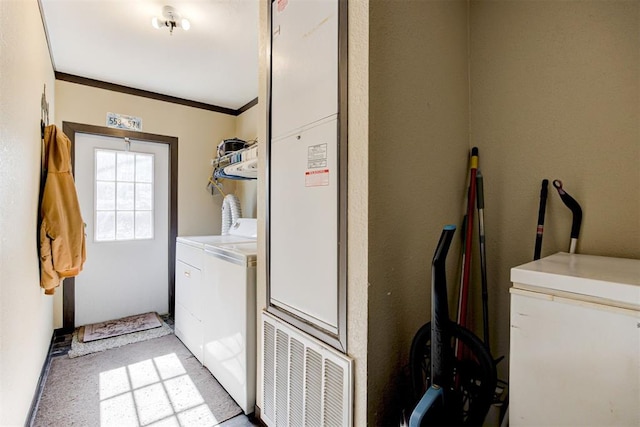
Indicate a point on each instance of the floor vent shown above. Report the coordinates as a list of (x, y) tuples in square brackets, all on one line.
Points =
[(305, 382)]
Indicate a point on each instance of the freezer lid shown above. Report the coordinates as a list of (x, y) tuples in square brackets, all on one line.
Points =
[(613, 279)]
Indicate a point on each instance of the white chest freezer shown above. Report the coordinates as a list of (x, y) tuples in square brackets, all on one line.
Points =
[(575, 342)]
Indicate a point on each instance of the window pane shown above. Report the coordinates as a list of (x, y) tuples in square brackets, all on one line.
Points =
[(144, 225), (144, 197), (125, 166), (144, 168), (105, 196), (105, 226), (124, 226), (125, 196), (105, 165)]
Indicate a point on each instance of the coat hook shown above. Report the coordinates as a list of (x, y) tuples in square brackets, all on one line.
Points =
[(44, 106), (44, 111)]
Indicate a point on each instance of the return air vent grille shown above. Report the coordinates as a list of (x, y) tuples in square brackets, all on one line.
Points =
[(305, 382), (313, 389), (268, 338), (333, 397), (282, 376), (296, 383)]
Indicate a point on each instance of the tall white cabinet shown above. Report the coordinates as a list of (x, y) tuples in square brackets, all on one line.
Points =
[(304, 64), (575, 342), (306, 223), (303, 275)]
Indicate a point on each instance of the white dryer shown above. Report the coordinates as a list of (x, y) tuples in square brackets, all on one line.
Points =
[(229, 319)]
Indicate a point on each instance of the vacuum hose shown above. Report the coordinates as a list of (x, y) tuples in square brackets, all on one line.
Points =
[(230, 212)]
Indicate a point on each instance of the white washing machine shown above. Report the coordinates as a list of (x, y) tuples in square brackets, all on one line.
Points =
[(243, 230), (189, 301), (229, 319)]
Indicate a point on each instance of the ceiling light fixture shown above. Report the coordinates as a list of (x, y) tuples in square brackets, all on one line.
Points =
[(170, 18)]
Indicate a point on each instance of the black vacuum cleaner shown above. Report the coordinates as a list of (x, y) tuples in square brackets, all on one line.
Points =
[(451, 389)]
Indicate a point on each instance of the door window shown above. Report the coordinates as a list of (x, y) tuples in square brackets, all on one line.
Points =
[(123, 196)]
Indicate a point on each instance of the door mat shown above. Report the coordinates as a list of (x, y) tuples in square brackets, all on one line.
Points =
[(114, 328), (79, 348)]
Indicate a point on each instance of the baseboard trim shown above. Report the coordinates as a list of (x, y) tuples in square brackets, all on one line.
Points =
[(256, 416), (44, 373)]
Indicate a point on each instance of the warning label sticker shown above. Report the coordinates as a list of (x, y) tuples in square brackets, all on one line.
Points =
[(316, 178), (317, 156)]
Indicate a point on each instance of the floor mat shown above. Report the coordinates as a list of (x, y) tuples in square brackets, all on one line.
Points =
[(114, 328), (79, 348)]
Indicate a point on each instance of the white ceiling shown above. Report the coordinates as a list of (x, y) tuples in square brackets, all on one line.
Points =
[(215, 62)]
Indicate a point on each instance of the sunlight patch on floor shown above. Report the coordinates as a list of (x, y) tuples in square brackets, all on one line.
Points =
[(155, 392)]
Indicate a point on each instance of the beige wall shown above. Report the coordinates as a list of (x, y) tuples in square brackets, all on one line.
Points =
[(418, 149), (555, 93), (198, 132), (26, 319)]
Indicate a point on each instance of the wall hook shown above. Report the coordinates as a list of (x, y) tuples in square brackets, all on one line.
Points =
[(44, 111)]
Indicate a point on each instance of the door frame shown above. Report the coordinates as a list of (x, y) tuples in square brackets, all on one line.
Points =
[(70, 129)]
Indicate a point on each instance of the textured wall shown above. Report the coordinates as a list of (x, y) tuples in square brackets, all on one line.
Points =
[(555, 93), (358, 208), (26, 319), (418, 149)]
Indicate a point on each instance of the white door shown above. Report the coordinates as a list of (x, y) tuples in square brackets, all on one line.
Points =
[(124, 199)]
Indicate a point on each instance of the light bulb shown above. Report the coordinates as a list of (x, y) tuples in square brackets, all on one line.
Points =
[(186, 24), (155, 22)]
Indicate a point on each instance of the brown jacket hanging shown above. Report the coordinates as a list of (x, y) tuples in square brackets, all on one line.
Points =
[(62, 239)]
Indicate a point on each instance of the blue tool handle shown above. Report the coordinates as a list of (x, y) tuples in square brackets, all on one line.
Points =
[(431, 401)]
